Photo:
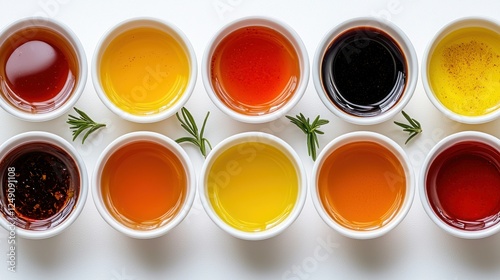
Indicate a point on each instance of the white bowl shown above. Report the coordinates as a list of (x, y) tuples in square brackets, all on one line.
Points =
[(253, 137), (453, 26), (408, 52), (81, 197), (364, 136), (65, 32), (134, 23), (167, 143), (282, 28), (443, 145)]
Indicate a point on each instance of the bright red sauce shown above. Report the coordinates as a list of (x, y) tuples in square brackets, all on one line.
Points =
[(255, 70), (37, 71), (463, 185)]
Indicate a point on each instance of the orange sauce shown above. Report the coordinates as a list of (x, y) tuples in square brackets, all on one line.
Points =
[(362, 185), (143, 185)]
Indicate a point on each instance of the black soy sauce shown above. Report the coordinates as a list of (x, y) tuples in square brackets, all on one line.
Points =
[(364, 72)]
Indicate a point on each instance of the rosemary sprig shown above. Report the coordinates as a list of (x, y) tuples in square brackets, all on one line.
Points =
[(81, 123), (414, 128), (311, 131), (188, 123)]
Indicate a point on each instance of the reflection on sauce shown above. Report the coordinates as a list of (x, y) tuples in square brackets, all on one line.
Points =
[(37, 71)]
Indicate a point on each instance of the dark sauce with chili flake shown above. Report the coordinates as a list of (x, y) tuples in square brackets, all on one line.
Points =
[(46, 180), (364, 71)]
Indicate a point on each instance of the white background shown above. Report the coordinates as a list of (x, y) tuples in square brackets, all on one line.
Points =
[(197, 249)]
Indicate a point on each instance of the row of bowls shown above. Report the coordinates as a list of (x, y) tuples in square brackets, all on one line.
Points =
[(11, 222), (393, 31)]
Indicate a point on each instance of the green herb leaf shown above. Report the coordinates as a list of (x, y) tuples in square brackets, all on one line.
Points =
[(189, 124), (311, 131), (414, 128), (81, 123)]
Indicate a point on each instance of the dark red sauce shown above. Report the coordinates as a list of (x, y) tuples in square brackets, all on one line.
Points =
[(463, 185), (37, 71)]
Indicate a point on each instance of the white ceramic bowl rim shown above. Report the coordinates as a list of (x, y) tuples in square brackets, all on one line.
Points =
[(134, 23), (404, 43), (259, 137), (279, 26), (144, 136), (442, 145), (79, 50), (364, 136), (46, 137), (445, 30)]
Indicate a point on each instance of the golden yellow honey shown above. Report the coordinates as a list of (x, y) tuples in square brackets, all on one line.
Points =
[(144, 71)]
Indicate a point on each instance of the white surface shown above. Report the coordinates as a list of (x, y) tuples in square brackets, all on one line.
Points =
[(197, 248)]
